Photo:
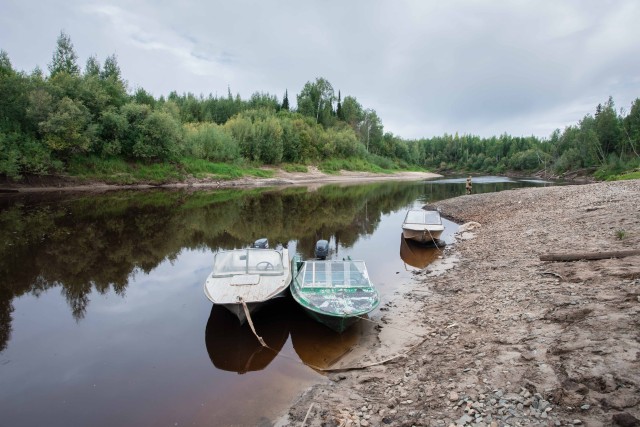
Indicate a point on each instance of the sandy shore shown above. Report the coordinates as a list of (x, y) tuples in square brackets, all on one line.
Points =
[(312, 178), (493, 336)]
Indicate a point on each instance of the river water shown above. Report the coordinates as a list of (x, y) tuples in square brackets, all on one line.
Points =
[(103, 319)]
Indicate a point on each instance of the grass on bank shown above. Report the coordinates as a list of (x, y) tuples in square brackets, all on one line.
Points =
[(118, 171), (334, 166), (121, 172)]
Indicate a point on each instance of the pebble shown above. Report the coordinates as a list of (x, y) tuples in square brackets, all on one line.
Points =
[(502, 408)]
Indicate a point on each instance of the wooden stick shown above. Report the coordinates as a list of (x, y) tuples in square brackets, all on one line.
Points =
[(577, 256), (307, 416)]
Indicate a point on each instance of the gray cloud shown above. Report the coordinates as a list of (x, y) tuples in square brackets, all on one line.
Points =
[(426, 67)]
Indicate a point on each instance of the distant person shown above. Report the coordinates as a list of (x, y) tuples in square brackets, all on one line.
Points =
[(468, 186)]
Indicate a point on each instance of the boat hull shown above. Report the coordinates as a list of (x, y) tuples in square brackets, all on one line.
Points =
[(253, 307), (422, 235), (336, 323)]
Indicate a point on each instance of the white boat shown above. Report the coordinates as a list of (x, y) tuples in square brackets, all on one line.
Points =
[(422, 226), (253, 276)]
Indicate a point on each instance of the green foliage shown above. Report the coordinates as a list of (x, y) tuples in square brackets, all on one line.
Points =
[(46, 121), (204, 169), (333, 166), (616, 169), (316, 100), (20, 155), (288, 167), (211, 142), (621, 233), (627, 175), (116, 171), (65, 59), (66, 130)]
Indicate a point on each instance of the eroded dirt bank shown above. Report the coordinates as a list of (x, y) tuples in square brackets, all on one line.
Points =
[(312, 178), (511, 340)]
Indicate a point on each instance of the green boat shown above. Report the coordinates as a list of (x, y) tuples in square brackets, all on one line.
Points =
[(335, 293)]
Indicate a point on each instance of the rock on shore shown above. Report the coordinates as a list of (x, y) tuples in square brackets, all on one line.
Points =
[(511, 340)]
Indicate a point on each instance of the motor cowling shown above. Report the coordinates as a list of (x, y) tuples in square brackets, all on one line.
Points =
[(262, 243), (322, 249)]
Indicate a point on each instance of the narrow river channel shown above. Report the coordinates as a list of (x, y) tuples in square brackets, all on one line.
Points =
[(103, 319)]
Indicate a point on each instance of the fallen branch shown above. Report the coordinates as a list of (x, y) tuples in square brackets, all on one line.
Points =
[(588, 256)]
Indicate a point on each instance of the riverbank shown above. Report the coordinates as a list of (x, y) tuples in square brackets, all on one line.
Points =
[(503, 338), (313, 177)]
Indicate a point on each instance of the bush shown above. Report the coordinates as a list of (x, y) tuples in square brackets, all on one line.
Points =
[(211, 142), (21, 154)]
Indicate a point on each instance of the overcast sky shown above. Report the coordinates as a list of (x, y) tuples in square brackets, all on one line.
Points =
[(426, 67)]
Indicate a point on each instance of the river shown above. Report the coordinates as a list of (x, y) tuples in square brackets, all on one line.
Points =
[(103, 319)]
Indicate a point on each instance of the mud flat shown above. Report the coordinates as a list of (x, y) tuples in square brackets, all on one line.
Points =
[(492, 336), (312, 178)]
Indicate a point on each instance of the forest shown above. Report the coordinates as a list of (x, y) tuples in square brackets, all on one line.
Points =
[(86, 122)]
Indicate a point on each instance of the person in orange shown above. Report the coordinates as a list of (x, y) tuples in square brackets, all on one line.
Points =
[(468, 186)]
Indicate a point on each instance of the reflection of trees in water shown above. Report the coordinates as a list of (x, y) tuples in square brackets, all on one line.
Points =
[(98, 242)]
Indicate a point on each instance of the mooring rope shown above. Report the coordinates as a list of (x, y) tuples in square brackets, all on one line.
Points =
[(253, 329), (318, 368)]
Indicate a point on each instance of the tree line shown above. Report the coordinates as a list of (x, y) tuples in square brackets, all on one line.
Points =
[(46, 120)]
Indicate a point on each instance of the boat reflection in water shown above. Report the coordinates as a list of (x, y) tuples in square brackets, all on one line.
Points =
[(320, 347), (233, 347), (418, 255)]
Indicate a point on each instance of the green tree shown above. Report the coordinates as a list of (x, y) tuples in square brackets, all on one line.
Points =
[(263, 100), (632, 128), (316, 100), (92, 68), (285, 101), (64, 58), (352, 112), (5, 64), (66, 129), (371, 131), (608, 129)]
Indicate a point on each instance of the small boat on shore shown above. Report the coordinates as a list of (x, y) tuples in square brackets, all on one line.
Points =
[(335, 293), (250, 277), (422, 226)]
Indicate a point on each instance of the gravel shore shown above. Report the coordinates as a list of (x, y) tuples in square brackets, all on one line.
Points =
[(503, 338)]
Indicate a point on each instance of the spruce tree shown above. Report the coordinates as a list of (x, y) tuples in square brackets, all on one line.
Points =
[(64, 58), (285, 101)]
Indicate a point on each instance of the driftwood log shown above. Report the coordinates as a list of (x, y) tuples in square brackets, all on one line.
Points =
[(578, 256)]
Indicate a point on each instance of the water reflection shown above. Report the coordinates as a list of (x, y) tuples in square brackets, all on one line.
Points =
[(321, 347), (234, 347), (105, 295), (102, 242), (416, 254)]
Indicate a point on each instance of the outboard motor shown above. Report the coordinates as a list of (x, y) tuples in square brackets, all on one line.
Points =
[(261, 243), (322, 249)]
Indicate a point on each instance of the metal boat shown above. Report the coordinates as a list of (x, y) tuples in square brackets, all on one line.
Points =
[(248, 277), (422, 226), (335, 293)]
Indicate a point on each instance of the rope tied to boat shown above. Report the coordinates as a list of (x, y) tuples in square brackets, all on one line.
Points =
[(253, 329)]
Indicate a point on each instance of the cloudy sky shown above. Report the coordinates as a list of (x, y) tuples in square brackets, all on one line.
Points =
[(427, 67)]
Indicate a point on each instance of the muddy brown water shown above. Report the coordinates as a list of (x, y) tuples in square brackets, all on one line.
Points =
[(103, 319)]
